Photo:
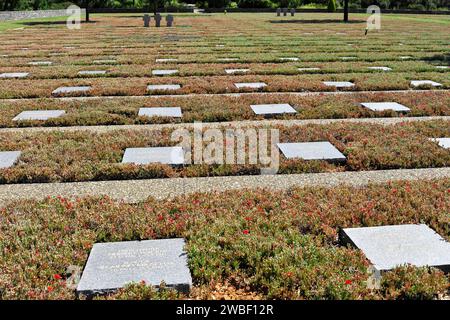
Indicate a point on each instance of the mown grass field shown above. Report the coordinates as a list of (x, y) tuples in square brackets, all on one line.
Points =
[(251, 244)]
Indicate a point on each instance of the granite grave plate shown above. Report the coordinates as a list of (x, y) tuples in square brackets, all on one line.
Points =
[(106, 61), (308, 69), (251, 85), (63, 90), (164, 72), (339, 84), (40, 63), (8, 158), (233, 71), (38, 115), (113, 265), (152, 87), (380, 68), (443, 142), (165, 155), (382, 106), (322, 150), (288, 59), (162, 60), (91, 72), (14, 75), (228, 59), (272, 109), (389, 246), (417, 83), (174, 112)]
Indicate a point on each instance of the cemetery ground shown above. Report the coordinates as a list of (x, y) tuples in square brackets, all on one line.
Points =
[(96, 86)]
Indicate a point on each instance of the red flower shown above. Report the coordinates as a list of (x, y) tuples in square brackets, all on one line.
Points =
[(245, 231), (348, 282), (49, 288), (57, 277)]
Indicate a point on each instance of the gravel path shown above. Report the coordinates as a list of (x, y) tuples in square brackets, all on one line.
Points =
[(230, 124), (139, 190), (190, 95)]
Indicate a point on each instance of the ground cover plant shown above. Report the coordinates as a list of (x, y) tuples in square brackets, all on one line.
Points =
[(214, 109), (82, 155), (240, 244)]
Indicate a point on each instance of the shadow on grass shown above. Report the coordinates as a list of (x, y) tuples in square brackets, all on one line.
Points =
[(443, 58), (317, 21)]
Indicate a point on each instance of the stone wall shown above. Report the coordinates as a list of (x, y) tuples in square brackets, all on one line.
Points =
[(22, 15)]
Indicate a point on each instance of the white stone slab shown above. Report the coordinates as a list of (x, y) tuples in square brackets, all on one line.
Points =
[(390, 246), (322, 150), (63, 90), (163, 60), (288, 59), (442, 67), (152, 87), (164, 72), (382, 106), (269, 109), (405, 57), (165, 155), (251, 85), (348, 58), (38, 115), (14, 75), (228, 59), (339, 84), (174, 112), (113, 265), (380, 68), (8, 158), (443, 142), (40, 63), (308, 69), (417, 83), (91, 72), (233, 71)]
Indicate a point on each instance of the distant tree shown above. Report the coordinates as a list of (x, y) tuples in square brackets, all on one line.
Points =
[(331, 5)]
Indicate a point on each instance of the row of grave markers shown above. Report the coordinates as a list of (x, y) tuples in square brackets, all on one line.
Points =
[(176, 112), (318, 150), (113, 265), (158, 18)]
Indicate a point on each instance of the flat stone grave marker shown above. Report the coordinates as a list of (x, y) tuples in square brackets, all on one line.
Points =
[(233, 71), (174, 112), (417, 83), (288, 59), (272, 109), (251, 85), (165, 155), (105, 61), (308, 69), (91, 72), (113, 265), (228, 59), (152, 87), (382, 106), (322, 150), (380, 68), (8, 158), (14, 75), (348, 58), (162, 60), (339, 84), (442, 67), (164, 72), (389, 246), (405, 57), (40, 63), (443, 142), (38, 115), (63, 90), (220, 45)]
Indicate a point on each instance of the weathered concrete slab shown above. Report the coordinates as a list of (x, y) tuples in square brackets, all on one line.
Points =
[(113, 265), (14, 75), (322, 150), (417, 83), (75, 89), (164, 72), (251, 85), (390, 246), (165, 155), (153, 87), (339, 84)]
